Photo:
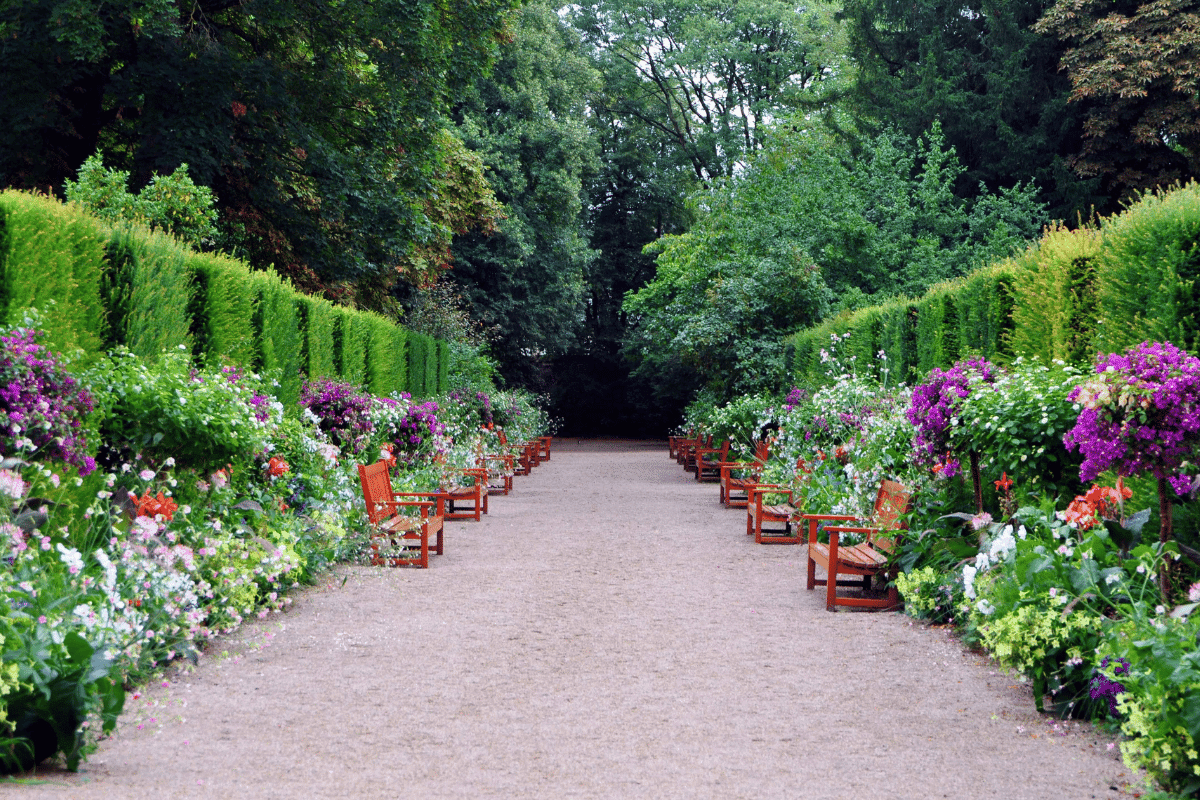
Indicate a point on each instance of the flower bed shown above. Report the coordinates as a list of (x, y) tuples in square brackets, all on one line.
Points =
[(149, 507), (1034, 484)]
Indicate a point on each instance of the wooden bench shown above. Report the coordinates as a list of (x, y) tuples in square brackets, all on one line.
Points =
[(740, 484), (544, 452), (474, 497), (759, 512), (709, 460), (399, 539), (864, 560)]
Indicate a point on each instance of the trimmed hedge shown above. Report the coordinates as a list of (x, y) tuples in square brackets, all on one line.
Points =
[(125, 285), (1130, 278), (53, 257), (968, 316)]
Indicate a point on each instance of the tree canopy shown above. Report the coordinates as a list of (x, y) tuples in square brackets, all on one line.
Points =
[(321, 128)]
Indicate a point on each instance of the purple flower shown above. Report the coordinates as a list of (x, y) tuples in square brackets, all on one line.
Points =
[(932, 409), (41, 402), (1104, 687), (344, 413), (1141, 413)]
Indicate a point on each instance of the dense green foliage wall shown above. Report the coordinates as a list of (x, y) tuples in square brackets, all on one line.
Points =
[(123, 285), (1127, 279)]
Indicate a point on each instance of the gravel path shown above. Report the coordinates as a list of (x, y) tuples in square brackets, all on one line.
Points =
[(608, 630)]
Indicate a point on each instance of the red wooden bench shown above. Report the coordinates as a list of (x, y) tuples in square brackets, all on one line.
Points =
[(759, 512), (474, 497), (709, 460), (864, 560), (398, 539), (735, 488)]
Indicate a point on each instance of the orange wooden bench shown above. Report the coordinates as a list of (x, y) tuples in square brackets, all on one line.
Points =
[(735, 488), (398, 539), (759, 512), (864, 560), (709, 460)]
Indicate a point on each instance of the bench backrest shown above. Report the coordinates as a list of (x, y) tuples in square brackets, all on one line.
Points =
[(762, 451), (377, 490), (891, 504)]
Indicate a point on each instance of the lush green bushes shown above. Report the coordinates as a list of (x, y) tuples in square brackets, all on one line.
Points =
[(968, 315), (1129, 278), (52, 256), (125, 285)]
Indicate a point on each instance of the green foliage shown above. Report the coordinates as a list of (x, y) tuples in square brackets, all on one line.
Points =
[(1017, 425), (1148, 270), (929, 594), (994, 84), (351, 335), (1160, 708), (202, 419), (323, 131), (527, 120), (172, 203), (277, 335), (386, 361), (1055, 309), (1135, 68), (223, 310), (52, 258), (148, 291), (420, 351), (708, 76), (971, 315), (320, 323)]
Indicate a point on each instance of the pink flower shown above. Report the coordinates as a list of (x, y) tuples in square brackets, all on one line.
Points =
[(42, 619), (146, 474), (1194, 592)]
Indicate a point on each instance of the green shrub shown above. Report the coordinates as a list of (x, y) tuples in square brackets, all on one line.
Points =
[(350, 346), (418, 353), (277, 335), (937, 329), (1148, 267), (172, 203), (1055, 309), (52, 258), (148, 292), (223, 310), (319, 328), (386, 360)]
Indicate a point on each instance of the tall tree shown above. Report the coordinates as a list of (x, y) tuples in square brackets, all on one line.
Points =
[(321, 127), (805, 217), (527, 124), (1135, 67), (706, 74), (994, 85)]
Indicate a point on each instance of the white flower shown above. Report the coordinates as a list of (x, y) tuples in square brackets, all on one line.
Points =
[(969, 573), (984, 607), (1160, 610)]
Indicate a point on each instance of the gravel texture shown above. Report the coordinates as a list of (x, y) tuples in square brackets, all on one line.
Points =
[(608, 630)]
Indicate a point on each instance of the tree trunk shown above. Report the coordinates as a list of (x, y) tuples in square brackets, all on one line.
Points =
[(976, 484), (1165, 534)]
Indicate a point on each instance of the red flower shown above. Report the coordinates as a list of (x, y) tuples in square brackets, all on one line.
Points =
[(1004, 484), (277, 466), (151, 506)]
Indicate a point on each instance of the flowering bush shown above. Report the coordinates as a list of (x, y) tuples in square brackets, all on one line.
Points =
[(41, 406), (934, 411), (201, 419), (1140, 413), (343, 413), (1017, 428)]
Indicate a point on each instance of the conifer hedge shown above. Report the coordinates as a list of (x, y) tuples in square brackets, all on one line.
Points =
[(1105, 286), (124, 285)]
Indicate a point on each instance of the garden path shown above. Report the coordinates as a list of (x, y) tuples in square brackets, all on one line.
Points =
[(607, 631)]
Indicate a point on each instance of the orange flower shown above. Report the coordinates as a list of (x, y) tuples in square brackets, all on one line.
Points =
[(277, 466), (1081, 514), (1004, 484), (151, 506)]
